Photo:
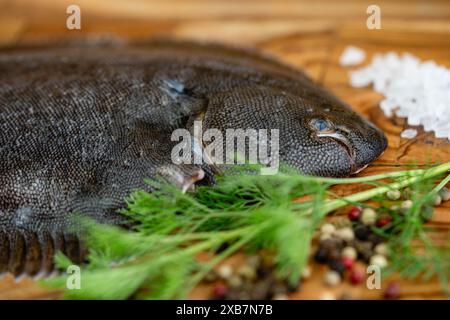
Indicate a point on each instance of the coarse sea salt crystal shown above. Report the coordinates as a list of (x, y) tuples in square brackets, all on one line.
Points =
[(409, 133), (416, 90), (352, 56)]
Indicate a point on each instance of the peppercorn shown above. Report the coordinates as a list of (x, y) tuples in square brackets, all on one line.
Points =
[(407, 193), (280, 296), (362, 232), (392, 291), (393, 194), (254, 261), (445, 194), (262, 290), (427, 213), (327, 228), (354, 213), (348, 263), (345, 234), (406, 205), (349, 252), (364, 249), (219, 291), (337, 266), (263, 271), (379, 260), (437, 200), (321, 255), (211, 276), (327, 296), (332, 278), (346, 296), (234, 281), (394, 207), (357, 275), (247, 271), (325, 236), (306, 272), (225, 271), (342, 222), (382, 249), (328, 250), (333, 243), (368, 216), (383, 221), (279, 288), (374, 239)]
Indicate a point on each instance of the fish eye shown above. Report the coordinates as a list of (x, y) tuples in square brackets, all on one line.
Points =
[(321, 124)]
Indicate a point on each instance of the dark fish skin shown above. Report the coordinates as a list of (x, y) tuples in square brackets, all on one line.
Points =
[(81, 127)]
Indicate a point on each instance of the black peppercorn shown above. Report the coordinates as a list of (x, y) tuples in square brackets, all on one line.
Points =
[(362, 232), (375, 239), (321, 255), (337, 266), (364, 249), (263, 271)]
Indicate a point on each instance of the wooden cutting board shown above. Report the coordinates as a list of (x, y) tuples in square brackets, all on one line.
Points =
[(306, 34)]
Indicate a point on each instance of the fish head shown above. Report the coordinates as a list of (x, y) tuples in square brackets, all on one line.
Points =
[(318, 134), (328, 138)]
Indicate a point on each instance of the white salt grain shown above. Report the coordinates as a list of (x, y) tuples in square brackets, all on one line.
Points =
[(352, 56), (409, 133), (416, 90)]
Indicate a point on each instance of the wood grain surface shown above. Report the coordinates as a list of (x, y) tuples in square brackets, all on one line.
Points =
[(309, 34)]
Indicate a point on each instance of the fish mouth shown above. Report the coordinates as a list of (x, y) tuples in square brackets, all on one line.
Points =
[(345, 143)]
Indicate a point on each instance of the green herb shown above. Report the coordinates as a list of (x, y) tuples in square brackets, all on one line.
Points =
[(413, 252), (158, 258)]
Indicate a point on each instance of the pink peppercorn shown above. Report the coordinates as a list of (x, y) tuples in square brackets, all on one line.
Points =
[(220, 291), (357, 276), (383, 221), (354, 213), (347, 262), (392, 291)]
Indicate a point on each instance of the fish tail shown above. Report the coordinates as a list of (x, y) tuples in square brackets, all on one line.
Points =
[(25, 253)]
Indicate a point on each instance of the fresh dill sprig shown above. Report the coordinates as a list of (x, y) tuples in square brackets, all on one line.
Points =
[(413, 253), (157, 259)]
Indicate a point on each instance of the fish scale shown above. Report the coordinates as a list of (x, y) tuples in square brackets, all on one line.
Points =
[(82, 127)]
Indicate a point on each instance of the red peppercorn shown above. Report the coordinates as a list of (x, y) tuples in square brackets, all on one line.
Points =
[(357, 276), (392, 291), (383, 221), (354, 213), (219, 291), (347, 262)]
